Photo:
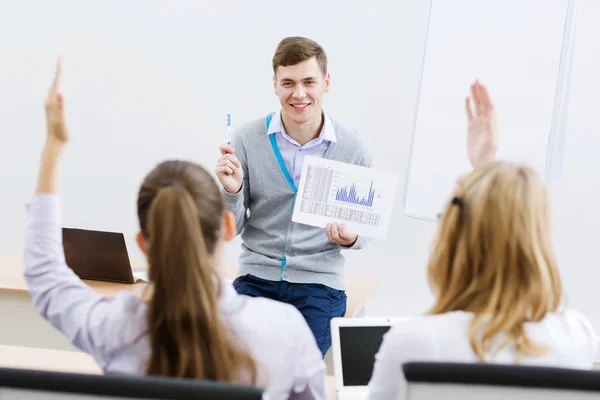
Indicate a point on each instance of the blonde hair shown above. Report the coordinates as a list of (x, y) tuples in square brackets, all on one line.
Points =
[(493, 257)]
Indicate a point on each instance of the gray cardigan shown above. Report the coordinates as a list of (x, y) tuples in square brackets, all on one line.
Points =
[(274, 247)]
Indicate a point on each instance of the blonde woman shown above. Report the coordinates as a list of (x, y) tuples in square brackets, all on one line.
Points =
[(498, 295)]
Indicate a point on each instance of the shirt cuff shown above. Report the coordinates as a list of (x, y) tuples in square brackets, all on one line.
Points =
[(233, 198), (361, 241), (44, 207)]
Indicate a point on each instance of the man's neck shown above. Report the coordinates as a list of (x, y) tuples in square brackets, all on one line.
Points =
[(303, 133)]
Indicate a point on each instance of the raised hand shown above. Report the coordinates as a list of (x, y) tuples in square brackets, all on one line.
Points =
[(56, 124), (482, 136), (229, 170), (56, 138)]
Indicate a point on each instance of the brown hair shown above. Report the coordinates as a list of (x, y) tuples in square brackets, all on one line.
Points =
[(180, 211), (493, 257), (294, 50)]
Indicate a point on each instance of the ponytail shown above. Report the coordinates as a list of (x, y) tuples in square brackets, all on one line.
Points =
[(188, 337), (444, 252)]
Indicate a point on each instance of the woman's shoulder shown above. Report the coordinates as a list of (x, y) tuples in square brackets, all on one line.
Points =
[(568, 320), (431, 323), (572, 323), (419, 334), (568, 334)]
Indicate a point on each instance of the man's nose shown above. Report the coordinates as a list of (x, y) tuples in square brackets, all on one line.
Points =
[(299, 92)]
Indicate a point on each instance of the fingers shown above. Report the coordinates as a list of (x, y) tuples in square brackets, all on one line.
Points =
[(332, 233), (57, 77), (226, 149), (224, 170), (485, 97), (481, 99), (476, 92), (231, 158), (328, 232), (226, 163), (343, 232), (468, 107), (335, 234), (55, 99)]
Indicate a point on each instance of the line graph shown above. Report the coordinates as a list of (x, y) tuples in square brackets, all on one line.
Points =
[(350, 196)]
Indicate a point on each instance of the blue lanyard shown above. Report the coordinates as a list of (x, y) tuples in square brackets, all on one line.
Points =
[(287, 175), (280, 161)]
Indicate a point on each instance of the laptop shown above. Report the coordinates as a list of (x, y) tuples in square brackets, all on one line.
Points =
[(355, 341), (97, 255)]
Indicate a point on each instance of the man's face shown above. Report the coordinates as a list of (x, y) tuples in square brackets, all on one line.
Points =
[(300, 89)]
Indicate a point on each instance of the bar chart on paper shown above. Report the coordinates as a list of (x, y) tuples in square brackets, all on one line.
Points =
[(349, 196), (361, 198)]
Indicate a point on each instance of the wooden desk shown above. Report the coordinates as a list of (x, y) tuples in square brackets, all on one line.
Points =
[(12, 279), (23, 327), (48, 360), (20, 324)]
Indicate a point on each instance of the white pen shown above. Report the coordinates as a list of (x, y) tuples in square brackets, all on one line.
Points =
[(228, 127)]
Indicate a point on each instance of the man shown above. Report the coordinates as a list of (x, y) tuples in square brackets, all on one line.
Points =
[(295, 263)]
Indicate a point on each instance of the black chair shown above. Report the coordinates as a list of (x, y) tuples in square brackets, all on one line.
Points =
[(31, 384), (450, 381)]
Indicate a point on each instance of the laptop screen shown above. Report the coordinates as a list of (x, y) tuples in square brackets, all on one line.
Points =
[(358, 346), (97, 255)]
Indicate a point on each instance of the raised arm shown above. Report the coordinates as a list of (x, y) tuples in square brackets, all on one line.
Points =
[(58, 295), (232, 172)]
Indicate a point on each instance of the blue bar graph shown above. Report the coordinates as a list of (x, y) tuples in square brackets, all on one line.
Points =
[(349, 195)]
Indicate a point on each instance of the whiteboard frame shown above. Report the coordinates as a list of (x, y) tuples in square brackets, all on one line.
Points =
[(557, 135), (556, 141)]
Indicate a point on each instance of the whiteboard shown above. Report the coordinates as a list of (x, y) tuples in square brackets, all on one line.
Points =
[(519, 49)]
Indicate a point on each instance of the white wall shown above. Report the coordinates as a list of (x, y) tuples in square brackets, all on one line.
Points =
[(144, 83)]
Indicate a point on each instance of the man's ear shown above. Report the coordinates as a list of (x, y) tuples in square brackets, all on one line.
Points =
[(229, 229), (141, 241)]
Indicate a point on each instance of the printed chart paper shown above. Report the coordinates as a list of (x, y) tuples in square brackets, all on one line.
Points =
[(335, 192)]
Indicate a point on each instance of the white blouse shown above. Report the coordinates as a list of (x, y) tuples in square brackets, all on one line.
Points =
[(275, 334), (568, 335)]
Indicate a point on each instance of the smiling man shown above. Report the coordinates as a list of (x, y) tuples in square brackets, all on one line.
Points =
[(260, 171)]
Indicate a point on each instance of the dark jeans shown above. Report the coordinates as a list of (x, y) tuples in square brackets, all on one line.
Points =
[(317, 303)]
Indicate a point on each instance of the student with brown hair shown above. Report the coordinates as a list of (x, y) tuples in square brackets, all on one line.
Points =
[(260, 171), (498, 295), (194, 324)]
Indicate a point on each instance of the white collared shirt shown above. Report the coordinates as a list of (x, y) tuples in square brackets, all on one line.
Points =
[(276, 335), (568, 336), (292, 152)]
